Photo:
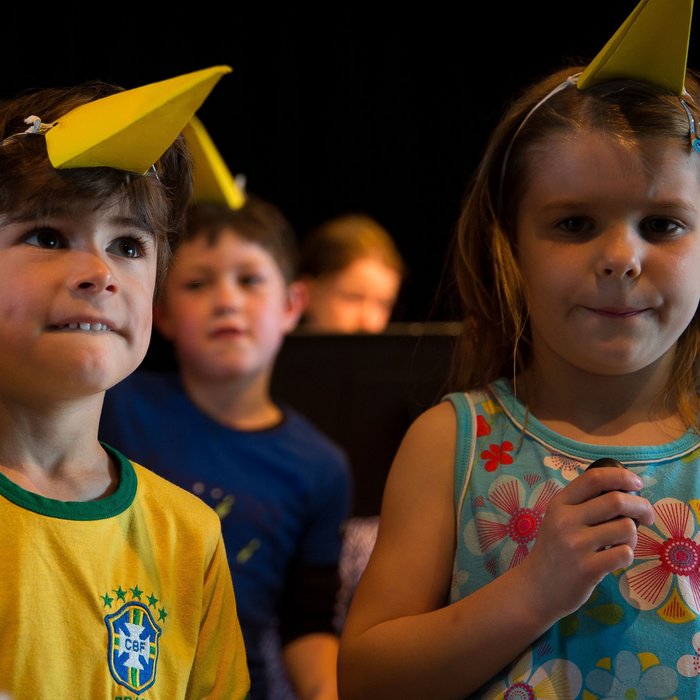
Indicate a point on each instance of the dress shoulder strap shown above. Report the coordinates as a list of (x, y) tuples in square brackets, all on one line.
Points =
[(465, 447)]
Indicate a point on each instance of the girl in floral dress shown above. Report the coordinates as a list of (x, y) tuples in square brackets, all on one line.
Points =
[(504, 568)]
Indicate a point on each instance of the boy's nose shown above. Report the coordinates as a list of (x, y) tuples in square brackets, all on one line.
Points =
[(228, 295), (90, 272), (621, 253)]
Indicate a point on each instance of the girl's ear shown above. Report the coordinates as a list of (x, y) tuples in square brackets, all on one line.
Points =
[(295, 303), (161, 320)]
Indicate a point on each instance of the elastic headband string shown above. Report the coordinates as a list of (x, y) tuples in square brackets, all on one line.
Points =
[(572, 80), (569, 82), (694, 140)]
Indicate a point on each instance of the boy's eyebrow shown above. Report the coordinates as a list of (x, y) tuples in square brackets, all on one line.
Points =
[(132, 222), (118, 220), (189, 267)]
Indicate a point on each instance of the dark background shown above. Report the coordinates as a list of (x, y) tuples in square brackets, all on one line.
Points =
[(351, 107)]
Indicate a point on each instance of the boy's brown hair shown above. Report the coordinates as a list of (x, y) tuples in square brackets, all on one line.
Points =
[(257, 221), (30, 186)]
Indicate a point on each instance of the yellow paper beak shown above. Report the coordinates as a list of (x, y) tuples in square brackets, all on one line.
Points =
[(651, 46), (130, 130), (213, 181)]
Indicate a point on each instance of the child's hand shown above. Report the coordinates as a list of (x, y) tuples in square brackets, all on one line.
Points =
[(588, 531), (607, 462)]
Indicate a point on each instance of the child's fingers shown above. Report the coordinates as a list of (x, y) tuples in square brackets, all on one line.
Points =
[(617, 504), (613, 533), (594, 482)]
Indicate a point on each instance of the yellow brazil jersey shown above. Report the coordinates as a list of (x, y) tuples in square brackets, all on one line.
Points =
[(127, 597)]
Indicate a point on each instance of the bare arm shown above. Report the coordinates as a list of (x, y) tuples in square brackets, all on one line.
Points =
[(401, 640), (311, 663)]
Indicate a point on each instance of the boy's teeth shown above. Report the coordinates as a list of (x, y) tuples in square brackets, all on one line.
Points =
[(88, 326)]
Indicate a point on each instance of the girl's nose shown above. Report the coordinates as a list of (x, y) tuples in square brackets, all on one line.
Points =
[(373, 318), (90, 273), (620, 253)]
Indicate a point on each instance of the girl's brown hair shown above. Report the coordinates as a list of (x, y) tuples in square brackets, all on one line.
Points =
[(335, 244), (495, 339)]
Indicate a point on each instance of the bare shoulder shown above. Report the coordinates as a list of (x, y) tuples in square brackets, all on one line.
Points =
[(416, 526), (429, 445), (434, 425)]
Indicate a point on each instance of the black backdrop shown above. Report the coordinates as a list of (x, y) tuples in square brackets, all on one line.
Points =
[(348, 107)]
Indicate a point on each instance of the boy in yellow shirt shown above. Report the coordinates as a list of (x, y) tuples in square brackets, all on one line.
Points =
[(115, 582)]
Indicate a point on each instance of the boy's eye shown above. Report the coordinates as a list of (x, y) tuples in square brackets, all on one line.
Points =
[(194, 284), (659, 227), (251, 280), (128, 247), (45, 238)]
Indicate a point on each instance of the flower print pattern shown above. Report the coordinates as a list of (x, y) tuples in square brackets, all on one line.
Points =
[(460, 578), (598, 610), (668, 577), (557, 679), (510, 519), (567, 467), (496, 455), (689, 664), (482, 426), (630, 679)]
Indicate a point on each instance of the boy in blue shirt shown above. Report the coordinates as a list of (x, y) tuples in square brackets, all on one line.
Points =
[(281, 488)]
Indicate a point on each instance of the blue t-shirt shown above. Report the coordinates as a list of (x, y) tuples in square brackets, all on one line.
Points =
[(638, 635), (282, 493)]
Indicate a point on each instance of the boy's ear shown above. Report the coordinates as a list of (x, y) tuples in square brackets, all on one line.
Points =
[(297, 298), (304, 285), (161, 320)]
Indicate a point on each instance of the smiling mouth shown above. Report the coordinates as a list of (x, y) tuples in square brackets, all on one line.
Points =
[(83, 326), (618, 313)]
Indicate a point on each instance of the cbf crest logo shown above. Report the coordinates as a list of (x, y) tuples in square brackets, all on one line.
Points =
[(133, 646)]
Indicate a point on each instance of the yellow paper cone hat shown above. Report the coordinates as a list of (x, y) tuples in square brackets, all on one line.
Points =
[(213, 181), (130, 130), (651, 46)]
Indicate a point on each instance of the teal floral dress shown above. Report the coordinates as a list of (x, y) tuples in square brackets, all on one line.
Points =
[(638, 635)]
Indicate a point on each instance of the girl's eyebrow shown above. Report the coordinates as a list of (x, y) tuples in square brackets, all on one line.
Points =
[(661, 203)]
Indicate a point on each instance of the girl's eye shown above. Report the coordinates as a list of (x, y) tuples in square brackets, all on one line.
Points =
[(660, 227), (45, 238), (128, 247), (576, 224)]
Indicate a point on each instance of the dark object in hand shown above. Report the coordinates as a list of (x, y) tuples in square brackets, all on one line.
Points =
[(608, 462), (605, 462)]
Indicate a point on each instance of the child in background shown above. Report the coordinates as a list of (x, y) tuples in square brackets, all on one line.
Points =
[(504, 568), (115, 582), (351, 272), (281, 488)]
